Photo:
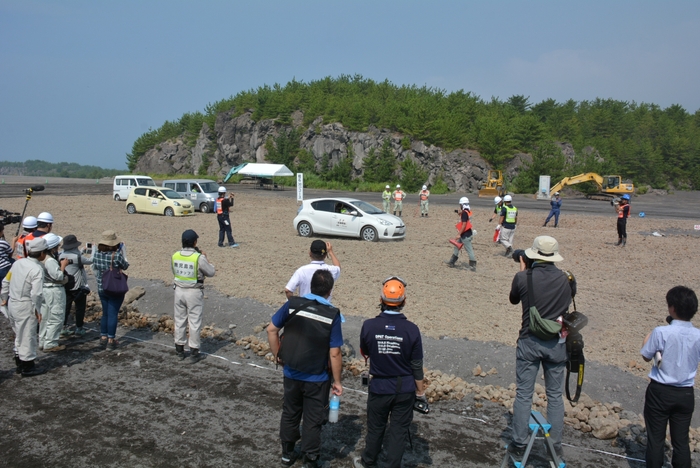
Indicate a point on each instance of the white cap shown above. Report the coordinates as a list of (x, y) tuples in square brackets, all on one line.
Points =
[(507, 198), (556, 193), (425, 187), (222, 189), (45, 217), (398, 186), (388, 186), (52, 240), (497, 200), (464, 201), (36, 245), (29, 222)]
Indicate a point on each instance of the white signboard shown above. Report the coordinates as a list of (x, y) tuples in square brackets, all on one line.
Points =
[(300, 186), (543, 191)]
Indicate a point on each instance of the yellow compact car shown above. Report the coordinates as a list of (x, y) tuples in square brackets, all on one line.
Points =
[(160, 201)]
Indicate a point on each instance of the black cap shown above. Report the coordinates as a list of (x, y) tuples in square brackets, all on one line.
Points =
[(318, 247), (189, 235)]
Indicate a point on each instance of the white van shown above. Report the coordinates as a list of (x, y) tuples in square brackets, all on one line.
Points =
[(201, 192), (124, 183)]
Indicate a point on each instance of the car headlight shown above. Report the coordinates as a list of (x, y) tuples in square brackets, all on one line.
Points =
[(384, 222), (176, 203)]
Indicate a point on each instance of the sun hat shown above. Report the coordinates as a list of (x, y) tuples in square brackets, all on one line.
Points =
[(29, 222), (109, 238), (318, 247), (544, 248), (52, 240), (36, 245), (71, 242), (45, 217)]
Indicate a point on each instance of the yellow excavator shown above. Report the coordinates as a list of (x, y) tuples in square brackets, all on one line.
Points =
[(493, 185), (610, 186)]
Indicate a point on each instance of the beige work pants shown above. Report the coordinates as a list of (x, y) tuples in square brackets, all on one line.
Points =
[(189, 305), (23, 322)]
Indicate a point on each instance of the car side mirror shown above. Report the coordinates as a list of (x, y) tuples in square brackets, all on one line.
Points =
[(354, 213)]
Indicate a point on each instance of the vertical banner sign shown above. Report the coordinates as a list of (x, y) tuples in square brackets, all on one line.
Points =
[(543, 191), (300, 186)]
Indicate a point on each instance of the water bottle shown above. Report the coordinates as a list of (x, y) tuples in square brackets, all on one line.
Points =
[(334, 408)]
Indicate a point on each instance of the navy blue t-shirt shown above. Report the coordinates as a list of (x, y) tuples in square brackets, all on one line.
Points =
[(391, 342)]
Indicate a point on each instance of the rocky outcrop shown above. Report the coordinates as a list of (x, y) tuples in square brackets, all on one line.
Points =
[(235, 140)]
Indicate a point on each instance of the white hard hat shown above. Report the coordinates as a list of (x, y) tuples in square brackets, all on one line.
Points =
[(464, 201), (388, 186), (52, 240), (507, 198), (398, 186), (45, 217), (497, 200), (222, 189), (29, 222), (425, 187)]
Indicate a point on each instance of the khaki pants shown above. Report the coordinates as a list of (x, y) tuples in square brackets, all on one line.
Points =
[(424, 207), (387, 206), (52, 314), (507, 237), (23, 322), (189, 304)]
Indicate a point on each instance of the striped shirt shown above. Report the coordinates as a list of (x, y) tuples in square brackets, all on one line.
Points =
[(5, 254)]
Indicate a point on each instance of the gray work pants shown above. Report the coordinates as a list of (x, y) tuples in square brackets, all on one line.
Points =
[(23, 322), (189, 304), (530, 353), (467, 241), (506, 237)]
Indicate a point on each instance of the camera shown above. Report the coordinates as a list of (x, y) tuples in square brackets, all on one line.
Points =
[(9, 217), (70, 261), (520, 253), (365, 378)]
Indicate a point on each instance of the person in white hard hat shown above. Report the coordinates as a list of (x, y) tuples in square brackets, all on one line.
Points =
[(507, 222), (44, 224), (54, 308), (386, 199), (464, 235), (28, 226), (424, 195), (23, 294), (221, 208), (498, 201), (398, 196)]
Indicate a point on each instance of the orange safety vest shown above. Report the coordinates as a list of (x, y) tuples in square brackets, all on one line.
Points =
[(219, 205), (398, 195), (621, 213), (27, 238), (424, 195), (461, 225), (19, 246)]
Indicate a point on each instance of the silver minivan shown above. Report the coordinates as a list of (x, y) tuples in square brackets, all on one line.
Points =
[(201, 192)]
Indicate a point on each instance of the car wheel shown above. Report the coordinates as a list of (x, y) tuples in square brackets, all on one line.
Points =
[(304, 229), (131, 209), (169, 212), (369, 234), (204, 208), (117, 198)]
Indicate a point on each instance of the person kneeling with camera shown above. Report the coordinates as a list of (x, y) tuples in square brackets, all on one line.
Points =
[(545, 293)]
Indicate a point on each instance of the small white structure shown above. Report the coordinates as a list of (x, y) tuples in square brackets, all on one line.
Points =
[(543, 191)]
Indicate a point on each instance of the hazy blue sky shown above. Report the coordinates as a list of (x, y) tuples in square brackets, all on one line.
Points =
[(81, 80)]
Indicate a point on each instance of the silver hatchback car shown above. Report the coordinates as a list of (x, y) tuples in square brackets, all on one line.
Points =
[(348, 217)]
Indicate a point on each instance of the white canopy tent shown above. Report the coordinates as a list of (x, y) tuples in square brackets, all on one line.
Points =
[(266, 171)]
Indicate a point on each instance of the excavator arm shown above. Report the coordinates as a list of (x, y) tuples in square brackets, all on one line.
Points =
[(578, 179)]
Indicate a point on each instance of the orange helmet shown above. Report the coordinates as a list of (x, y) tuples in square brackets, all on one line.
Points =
[(393, 291)]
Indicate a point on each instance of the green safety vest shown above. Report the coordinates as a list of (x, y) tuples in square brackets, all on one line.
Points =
[(386, 195), (186, 267), (511, 213)]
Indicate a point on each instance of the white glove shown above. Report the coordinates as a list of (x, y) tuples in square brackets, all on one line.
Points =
[(498, 228)]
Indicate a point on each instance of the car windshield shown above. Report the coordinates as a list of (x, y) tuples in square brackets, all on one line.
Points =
[(366, 207), (171, 194), (148, 182), (209, 187)]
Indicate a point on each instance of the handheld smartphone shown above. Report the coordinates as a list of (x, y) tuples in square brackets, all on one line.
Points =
[(88, 248)]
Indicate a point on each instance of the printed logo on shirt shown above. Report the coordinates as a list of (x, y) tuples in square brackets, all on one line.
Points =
[(390, 327)]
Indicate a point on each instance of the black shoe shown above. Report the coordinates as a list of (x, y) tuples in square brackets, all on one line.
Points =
[(195, 356), (18, 363), (619, 241), (516, 452), (103, 342), (180, 351), (289, 456), (29, 369), (509, 251), (311, 462)]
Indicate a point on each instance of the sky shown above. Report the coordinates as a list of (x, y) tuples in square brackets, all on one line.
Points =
[(81, 80)]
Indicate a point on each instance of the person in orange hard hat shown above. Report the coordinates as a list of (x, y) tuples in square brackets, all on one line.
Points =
[(394, 348)]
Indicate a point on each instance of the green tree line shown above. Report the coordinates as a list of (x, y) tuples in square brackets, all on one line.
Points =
[(642, 142), (35, 167)]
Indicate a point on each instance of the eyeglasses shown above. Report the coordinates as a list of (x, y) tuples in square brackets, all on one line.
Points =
[(394, 278)]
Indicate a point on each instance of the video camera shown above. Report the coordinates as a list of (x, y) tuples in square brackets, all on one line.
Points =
[(8, 217)]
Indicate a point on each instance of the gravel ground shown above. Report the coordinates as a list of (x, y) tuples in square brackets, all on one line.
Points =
[(120, 409)]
